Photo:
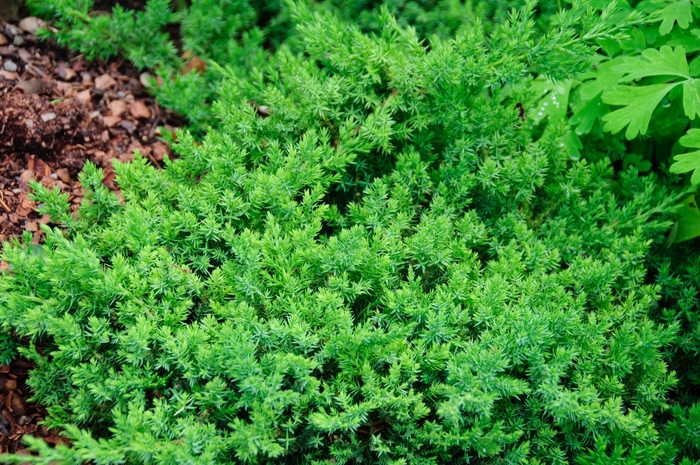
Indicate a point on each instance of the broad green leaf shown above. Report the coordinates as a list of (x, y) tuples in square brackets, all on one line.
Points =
[(573, 146), (639, 103), (663, 62), (687, 162), (694, 66), (554, 103), (585, 117), (677, 11), (691, 139), (688, 226), (605, 77), (637, 161), (682, 38), (691, 98)]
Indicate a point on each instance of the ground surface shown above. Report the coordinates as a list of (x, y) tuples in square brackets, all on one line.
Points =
[(57, 111)]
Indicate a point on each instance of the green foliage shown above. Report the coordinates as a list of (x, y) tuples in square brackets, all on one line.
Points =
[(640, 102), (689, 161), (385, 266), (646, 84), (140, 36), (241, 33)]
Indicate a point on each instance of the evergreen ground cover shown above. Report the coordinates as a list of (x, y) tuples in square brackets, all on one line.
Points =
[(367, 250)]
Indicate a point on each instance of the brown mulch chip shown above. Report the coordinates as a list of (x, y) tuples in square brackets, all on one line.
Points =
[(57, 111)]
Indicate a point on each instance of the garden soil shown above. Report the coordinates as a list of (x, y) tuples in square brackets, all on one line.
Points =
[(57, 111)]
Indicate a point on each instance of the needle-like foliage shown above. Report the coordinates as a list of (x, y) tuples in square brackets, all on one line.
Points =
[(368, 258)]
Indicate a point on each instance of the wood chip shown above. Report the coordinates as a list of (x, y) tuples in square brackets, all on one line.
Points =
[(33, 86), (86, 78), (104, 82), (31, 24), (111, 121), (128, 125), (160, 150), (47, 181), (85, 97), (25, 56), (36, 71), (12, 31), (117, 107), (139, 110), (63, 175), (65, 72), (65, 89), (9, 75), (195, 64), (17, 406), (36, 238), (25, 177), (26, 205)]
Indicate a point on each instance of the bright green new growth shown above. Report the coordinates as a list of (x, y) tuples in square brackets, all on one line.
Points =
[(389, 268)]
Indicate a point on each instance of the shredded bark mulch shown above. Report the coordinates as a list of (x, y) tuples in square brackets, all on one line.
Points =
[(20, 417), (57, 111)]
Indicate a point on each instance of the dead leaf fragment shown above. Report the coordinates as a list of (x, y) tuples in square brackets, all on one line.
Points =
[(160, 150), (26, 205), (111, 121), (11, 384), (24, 55), (104, 82), (86, 78), (36, 71), (12, 31), (117, 107), (139, 110), (33, 86), (65, 89), (25, 177), (17, 406), (128, 125), (85, 97), (196, 64), (9, 75), (65, 72), (31, 24), (63, 175)]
